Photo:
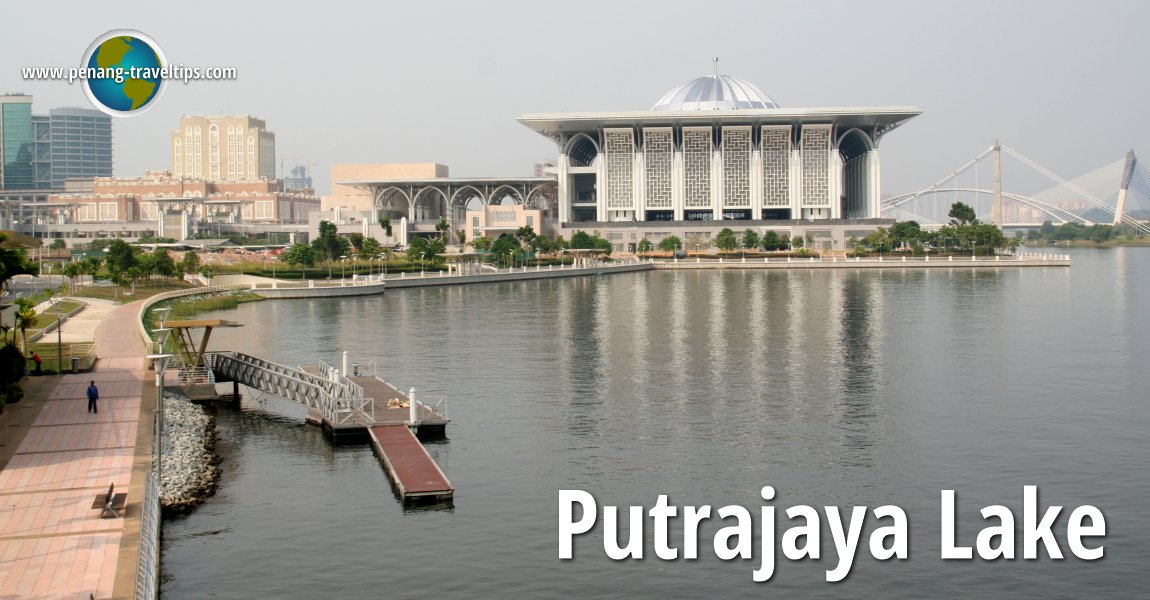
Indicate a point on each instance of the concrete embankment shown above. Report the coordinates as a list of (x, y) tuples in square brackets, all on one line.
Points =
[(995, 262)]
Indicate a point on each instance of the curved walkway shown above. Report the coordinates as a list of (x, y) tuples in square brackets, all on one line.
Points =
[(57, 458)]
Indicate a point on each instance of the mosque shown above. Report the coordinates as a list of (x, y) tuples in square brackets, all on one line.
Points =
[(711, 153)]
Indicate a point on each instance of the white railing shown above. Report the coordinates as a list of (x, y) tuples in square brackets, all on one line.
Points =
[(148, 559)]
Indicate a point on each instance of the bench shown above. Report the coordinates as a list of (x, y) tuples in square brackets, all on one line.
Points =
[(111, 504)]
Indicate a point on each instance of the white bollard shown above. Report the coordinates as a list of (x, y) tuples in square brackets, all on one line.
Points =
[(413, 414), (344, 363)]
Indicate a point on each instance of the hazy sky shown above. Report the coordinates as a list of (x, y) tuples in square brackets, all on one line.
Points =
[(1065, 83)]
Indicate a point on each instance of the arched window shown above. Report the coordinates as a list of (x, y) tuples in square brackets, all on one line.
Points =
[(214, 134)]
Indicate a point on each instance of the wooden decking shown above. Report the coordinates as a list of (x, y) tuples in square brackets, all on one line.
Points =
[(417, 478), (395, 439)]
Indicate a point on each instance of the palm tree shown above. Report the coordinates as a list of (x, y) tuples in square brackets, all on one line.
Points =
[(25, 317), (73, 270)]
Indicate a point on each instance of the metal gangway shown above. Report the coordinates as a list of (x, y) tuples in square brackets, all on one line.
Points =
[(330, 393)]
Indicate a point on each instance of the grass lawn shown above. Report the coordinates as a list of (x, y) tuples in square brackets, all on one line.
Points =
[(144, 289)]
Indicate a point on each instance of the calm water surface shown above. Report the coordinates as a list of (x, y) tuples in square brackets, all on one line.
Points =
[(836, 387)]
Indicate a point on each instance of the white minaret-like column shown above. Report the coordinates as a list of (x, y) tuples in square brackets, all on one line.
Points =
[(564, 191), (874, 198)]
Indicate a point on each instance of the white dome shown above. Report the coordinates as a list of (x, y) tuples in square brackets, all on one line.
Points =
[(715, 92)]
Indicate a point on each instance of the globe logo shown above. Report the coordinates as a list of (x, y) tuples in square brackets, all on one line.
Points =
[(125, 75)]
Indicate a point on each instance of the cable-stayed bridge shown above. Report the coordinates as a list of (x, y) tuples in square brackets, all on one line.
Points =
[(1117, 193)]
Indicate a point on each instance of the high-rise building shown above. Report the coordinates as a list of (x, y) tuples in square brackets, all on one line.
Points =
[(41, 152), (223, 148), (81, 145), (299, 180), (16, 142)]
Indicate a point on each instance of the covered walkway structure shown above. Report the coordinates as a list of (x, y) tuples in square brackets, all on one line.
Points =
[(424, 202)]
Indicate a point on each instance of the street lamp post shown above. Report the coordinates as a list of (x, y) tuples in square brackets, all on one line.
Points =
[(59, 337), (160, 360)]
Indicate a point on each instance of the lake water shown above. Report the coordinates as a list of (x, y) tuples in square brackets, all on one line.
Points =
[(837, 387)]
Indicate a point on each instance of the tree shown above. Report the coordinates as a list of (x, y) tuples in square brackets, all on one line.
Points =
[(73, 270), (581, 240), (525, 234), (670, 243), (133, 274), (299, 254), (878, 240), (57, 245), (442, 227), (645, 245), (416, 248), (770, 240), (371, 247), (796, 241), (726, 240), (25, 318), (961, 214), (206, 272), (750, 239), (13, 261), (119, 258), (356, 240), (164, 266), (481, 243), (906, 232), (462, 233), (92, 266), (385, 223), (505, 247), (329, 244), (191, 262)]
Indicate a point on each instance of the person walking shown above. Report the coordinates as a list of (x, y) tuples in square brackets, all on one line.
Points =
[(93, 396), (36, 359)]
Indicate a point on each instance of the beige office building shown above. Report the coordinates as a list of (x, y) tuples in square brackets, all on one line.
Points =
[(223, 148)]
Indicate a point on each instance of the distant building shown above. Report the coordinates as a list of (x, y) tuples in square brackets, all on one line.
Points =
[(493, 220), (41, 152), (80, 142), (223, 148), (162, 204), (16, 142), (299, 181)]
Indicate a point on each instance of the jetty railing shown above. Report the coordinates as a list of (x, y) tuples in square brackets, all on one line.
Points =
[(333, 399)]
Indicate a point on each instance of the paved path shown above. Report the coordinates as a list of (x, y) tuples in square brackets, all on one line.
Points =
[(82, 326), (57, 458)]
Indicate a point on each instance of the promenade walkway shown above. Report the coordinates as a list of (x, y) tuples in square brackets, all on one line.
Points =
[(56, 458)]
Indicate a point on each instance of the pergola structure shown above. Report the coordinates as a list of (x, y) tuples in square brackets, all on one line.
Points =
[(190, 353), (185, 206)]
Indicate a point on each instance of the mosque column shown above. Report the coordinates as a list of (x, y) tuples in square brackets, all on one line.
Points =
[(795, 185), (600, 188), (716, 180), (874, 193), (677, 184), (756, 182), (639, 182), (564, 190), (835, 183)]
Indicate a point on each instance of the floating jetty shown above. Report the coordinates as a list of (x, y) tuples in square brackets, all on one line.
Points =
[(360, 407)]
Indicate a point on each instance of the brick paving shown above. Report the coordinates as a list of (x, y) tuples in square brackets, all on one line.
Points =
[(57, 458)]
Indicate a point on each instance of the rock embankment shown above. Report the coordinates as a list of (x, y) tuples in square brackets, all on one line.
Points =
[(189, 473)]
